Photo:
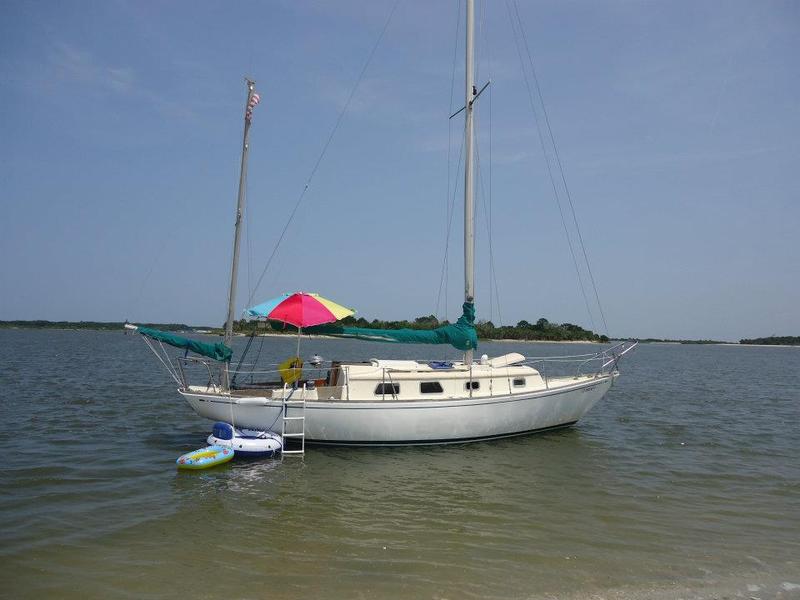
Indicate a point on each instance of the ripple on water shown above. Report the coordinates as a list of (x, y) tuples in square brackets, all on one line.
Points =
[(685, 477)]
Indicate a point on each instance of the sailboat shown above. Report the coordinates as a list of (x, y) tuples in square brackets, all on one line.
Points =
[(385, 401)]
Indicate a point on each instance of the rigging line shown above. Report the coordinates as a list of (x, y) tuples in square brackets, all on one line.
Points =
[(560, 167), (481, 34), (480, 43), (243, 356), (138, 299), (447, 203), (549, 167), (449, 227), (492, 270), (325, 147), (249, 243), (491, 218), (455, 57), (258, 355), (246, 215)]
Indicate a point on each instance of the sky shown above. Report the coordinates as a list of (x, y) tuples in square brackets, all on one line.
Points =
[(676, 123)]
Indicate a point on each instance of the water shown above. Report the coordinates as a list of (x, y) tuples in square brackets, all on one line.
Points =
[(683, 482)]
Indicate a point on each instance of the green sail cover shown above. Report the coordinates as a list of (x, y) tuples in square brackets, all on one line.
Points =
[(461, 335), (218, 351)]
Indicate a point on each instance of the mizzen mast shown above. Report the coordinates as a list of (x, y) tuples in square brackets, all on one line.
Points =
[(252, 100)]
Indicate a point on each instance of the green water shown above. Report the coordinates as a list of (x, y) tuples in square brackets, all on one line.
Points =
[(684, 482)]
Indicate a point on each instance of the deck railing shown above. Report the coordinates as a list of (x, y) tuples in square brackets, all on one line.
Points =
[(603, 362), (217, 376)]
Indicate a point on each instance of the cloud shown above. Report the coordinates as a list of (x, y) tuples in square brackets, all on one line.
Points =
[(73, 65), (634, 158), (510, 157), (372, 93)]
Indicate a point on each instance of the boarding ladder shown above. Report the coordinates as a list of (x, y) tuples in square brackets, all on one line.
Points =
[(299, 404)]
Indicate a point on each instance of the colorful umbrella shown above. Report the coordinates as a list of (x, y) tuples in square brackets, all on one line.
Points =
[(301, 310)]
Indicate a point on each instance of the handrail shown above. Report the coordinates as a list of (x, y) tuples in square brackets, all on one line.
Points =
[(609, 357), (616, 357), (439, 358), (604, 356), (183, 360), (607, 360)]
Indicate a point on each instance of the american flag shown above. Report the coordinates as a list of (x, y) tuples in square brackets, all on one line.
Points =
[(254, 99)]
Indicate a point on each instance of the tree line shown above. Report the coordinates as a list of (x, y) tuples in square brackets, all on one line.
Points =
[(541, 330), (775, 340), (93, 325)]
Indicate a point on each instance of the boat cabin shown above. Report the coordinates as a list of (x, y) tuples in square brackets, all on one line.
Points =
[(398, 380)]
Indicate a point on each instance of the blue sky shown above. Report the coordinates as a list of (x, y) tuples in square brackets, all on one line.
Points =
[(677, 124)]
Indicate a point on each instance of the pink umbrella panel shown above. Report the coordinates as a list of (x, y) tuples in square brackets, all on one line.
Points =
[(300, 309)]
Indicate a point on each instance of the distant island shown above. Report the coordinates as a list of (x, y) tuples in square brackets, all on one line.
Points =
[(540, 331), (669, 341), (785, 340), (94, 325), (765, 341)]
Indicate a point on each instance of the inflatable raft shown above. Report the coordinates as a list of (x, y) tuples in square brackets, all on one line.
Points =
[(246, 442), (205, 458)]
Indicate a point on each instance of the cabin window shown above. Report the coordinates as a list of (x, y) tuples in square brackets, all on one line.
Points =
[(392, 389), (519, 382), (430, 387), (472, 385)]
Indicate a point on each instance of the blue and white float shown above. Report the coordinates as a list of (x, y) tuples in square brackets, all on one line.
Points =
[(245, 442)]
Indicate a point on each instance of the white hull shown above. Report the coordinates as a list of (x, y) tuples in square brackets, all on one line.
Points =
[(414, 421)]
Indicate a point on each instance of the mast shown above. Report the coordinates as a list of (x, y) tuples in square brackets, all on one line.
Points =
[(469, 204), (239, 212)]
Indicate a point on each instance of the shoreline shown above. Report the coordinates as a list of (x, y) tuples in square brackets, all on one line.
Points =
[(511, 341), (330, 337), (333, 337)]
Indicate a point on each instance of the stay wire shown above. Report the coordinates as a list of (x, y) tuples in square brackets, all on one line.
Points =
[(488, 211), (156, 258), (249, 242), (561, 168), (449, 205), (246, 216), (492, 270), (324, 149), (547, 162), (483, 37), (442, 281)]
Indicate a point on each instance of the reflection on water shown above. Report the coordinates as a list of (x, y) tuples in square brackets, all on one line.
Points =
[(684, 481)]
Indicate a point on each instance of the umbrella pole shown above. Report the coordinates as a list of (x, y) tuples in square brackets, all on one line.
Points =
[(299, 329)]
